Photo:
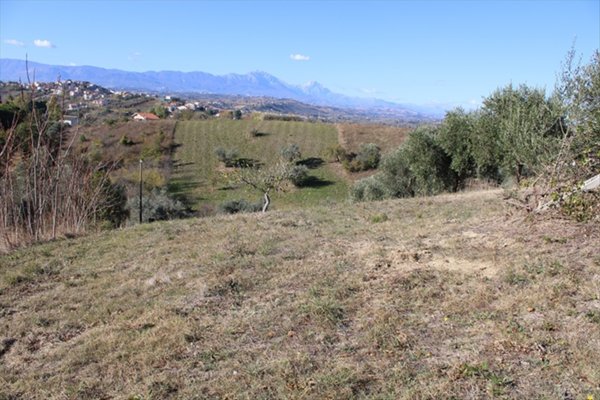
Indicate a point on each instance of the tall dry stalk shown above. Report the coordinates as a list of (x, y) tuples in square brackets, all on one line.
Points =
[(46, 189)]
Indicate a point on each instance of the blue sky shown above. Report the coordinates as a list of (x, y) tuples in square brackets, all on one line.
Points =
[(420, 52)]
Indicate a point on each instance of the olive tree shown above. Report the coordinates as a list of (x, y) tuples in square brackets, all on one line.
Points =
[(578, 93), (266, 179), (525, 125), (457, 138), (291, 153)]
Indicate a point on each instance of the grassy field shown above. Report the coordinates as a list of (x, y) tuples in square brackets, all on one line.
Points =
[(199, 175), (456, 296)]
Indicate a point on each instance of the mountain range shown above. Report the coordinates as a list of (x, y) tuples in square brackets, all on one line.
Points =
[(251, 84)]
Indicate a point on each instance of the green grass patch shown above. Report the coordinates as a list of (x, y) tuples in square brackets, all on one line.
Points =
[(204, 180)]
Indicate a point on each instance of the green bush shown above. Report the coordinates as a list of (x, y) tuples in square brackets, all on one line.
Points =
[(151, 151), (456, 137), (299, 175), (336, 153), (367, 158), (157, 205), (419, 167), (227, 156), (525, 125), (428, 163), (395, 174), (350, 165), (291, 153), (160, 111), (369, 189)]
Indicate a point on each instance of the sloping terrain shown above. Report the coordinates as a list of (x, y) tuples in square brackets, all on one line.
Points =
[(456, 296), (199, 175)]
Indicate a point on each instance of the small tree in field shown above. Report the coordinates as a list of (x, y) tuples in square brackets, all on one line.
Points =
[(266, 179), (227, 156)]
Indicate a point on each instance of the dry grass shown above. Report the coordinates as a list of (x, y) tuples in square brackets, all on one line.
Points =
[(149, 140), (388, 138), (455, 296), (125, 143)]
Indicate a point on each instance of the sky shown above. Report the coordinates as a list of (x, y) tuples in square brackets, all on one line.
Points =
[(431, 52)]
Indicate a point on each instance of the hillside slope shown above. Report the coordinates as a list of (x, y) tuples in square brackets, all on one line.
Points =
[(451, 296)]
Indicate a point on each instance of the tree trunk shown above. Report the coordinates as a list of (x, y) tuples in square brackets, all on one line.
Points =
[(266, 203)]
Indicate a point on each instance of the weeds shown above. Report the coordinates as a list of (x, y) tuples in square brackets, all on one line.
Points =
[(323, 306), (593, 316), (379, 218)]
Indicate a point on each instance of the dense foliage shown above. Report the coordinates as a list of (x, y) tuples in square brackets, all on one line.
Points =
[(367, 157), (158, 205), (519, 134)]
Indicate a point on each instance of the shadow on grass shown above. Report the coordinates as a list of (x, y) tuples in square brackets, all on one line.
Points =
[(314, 182), (247, 163), (183, 190), (227, 187), (179, 164), (311, 162)]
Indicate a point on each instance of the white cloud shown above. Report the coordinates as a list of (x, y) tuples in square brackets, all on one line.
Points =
[(14, 42), (299, 57), (43, 43)]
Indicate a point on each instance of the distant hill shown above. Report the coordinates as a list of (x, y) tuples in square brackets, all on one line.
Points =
[(251, 84)]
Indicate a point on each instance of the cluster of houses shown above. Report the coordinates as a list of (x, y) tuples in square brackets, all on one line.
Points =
[(174, 104), (79, 96), (76, 96)]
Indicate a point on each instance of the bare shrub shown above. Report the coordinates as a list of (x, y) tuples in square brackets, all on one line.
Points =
[(46, 189)]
